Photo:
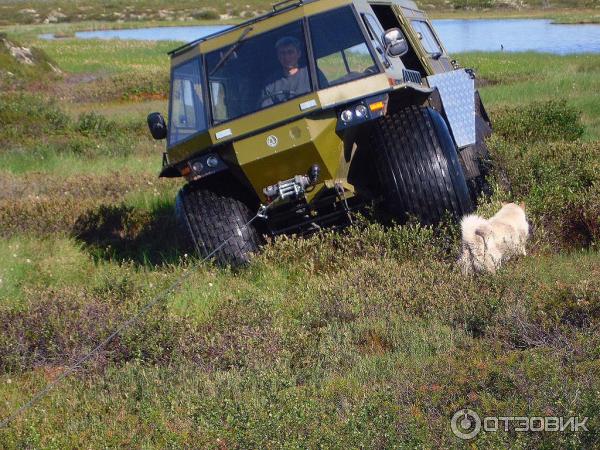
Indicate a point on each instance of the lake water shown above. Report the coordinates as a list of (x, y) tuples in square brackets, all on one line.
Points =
[(517, 35), (513, 35)]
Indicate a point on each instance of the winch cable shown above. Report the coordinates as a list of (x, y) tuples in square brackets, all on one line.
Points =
[(172, 288)]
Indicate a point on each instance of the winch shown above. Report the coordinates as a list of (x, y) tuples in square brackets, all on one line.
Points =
[(293, 188)]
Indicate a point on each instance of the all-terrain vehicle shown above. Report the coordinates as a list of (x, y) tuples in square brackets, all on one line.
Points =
[(315, 109)]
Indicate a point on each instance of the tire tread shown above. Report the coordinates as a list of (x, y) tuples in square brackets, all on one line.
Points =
[(208, 217), (419, 172)]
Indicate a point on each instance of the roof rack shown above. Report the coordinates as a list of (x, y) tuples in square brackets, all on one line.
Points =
[(278, 8), (278, 5)]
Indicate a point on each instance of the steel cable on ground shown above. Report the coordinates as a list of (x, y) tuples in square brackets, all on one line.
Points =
[(42, 393)]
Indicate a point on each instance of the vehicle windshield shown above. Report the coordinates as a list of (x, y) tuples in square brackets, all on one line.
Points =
[(262, 71), (274, 67)]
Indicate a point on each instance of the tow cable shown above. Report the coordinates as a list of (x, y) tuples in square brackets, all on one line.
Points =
[(261, 213)]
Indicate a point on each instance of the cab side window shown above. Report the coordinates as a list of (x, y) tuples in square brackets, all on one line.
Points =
[(430, 43), (187, 115), (340, 49)]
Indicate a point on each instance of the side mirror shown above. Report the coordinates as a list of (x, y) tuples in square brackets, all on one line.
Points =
[(395, 42), (157, 125)]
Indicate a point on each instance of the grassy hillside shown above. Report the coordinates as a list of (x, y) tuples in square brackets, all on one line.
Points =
[(20, 64), (370, 337)]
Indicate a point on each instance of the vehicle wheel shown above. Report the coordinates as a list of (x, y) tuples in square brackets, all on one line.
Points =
[(418, 166), (208, 216)]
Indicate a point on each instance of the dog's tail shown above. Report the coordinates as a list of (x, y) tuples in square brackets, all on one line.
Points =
[(475, 229)]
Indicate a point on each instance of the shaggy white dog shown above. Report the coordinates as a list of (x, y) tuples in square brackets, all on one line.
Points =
[(488, 243)]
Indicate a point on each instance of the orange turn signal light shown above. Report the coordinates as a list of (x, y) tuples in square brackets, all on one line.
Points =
[(376, 106)]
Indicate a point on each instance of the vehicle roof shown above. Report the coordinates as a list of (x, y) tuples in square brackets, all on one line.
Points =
[(282, 8)]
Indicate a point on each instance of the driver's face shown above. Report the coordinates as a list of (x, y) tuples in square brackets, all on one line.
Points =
[(288, 56)]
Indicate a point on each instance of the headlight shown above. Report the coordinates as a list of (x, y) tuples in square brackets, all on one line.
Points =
[(361, 111), (347, 115)]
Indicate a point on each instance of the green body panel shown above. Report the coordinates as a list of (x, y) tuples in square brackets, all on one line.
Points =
[(300, 144), (278, 114), (241, 127)]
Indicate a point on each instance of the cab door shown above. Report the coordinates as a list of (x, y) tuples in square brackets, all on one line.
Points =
[(393, 66), (424, 39)]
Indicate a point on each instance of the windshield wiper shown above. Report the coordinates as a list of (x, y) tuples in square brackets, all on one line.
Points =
[(229, 52)]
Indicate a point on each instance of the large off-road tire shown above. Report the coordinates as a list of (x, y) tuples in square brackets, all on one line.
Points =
[(418, 166), (208, 216)]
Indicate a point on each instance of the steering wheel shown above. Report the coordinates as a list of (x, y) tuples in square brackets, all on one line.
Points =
[(371, 70), (276, 96)]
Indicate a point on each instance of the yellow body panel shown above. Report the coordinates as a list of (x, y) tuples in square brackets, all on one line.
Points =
[(353, 90), (299, 136), (291, 150), (280, 113), (242, 126)]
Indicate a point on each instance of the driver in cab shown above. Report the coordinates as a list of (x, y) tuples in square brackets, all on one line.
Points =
[(292, 80)]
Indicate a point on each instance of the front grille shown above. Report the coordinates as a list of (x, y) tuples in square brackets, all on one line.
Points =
[(411, 76)]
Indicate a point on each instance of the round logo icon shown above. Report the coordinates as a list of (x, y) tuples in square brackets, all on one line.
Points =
[(465, 424), (272, 140)]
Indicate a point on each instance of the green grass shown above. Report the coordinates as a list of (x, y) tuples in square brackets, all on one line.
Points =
[(71, 165), (85, 56), (577, 17), (568, 14), (125, 56), (517, 78), (54, 262), (366, 338), (284, 352)]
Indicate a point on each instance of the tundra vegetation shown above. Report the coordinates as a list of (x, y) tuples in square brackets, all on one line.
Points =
[(368, 337), (137, 11)]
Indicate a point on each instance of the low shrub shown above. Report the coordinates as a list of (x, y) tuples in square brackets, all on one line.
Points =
[(36, 125), (93, 124), (206, 14), (52, 205), (60, 326), (473, 4), (153, 86), (30, 116), (559, 182), (539, 122)]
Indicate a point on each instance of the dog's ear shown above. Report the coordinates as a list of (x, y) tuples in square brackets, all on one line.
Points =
[(522, 205), (504, 203)]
